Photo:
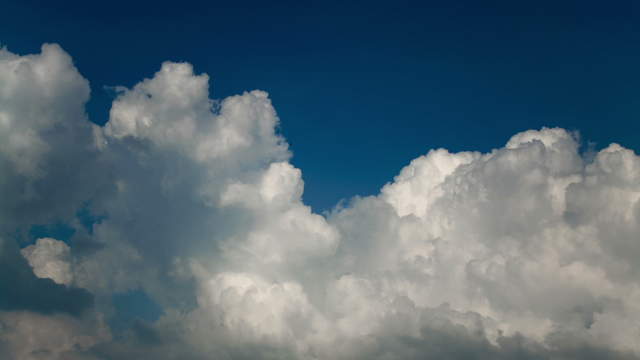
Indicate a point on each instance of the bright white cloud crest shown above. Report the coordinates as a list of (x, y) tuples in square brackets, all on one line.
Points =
[(529, 251)]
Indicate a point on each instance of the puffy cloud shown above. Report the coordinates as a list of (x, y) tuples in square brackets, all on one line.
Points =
[(49, 258), (252, 308), (285, 230), (173, 111), (498, 237), (39, 93), (526, 252), (48, 159), (21, 289)]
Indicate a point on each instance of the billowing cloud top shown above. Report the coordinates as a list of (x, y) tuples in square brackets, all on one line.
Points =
[(527, 252)]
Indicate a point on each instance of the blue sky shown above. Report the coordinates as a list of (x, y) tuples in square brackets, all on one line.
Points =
[(363, 87)]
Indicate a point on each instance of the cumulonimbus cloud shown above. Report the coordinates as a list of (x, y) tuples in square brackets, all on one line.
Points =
[(528, 251)]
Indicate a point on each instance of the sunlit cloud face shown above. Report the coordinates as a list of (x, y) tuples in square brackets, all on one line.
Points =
[(190, 206)]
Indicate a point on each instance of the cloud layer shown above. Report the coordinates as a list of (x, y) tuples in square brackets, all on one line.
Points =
[(527, 252)]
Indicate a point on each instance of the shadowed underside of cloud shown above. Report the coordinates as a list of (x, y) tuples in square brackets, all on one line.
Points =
[(526, 252)]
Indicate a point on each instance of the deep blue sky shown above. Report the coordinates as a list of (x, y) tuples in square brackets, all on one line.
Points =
[(364, 87)]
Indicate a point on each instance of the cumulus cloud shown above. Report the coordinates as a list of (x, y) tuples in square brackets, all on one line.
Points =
[(49, 258), (526, 252), (21, 289)]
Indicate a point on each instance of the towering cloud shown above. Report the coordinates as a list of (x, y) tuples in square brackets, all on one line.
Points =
[(190, 204)]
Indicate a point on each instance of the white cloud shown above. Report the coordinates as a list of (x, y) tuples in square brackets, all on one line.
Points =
[(45, 139), (529, 251), (173, 110), (50, 258), (39, 93)]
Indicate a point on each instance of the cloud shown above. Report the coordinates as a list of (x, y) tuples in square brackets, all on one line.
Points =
[(30, 336), (49, 163), (21, 289), (526, 252), (49, 258)]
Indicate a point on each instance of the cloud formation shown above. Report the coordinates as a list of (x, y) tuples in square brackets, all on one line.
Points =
[(526, 252)]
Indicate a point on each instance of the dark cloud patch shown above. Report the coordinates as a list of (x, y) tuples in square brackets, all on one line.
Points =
[(134, 308), (448, 341)]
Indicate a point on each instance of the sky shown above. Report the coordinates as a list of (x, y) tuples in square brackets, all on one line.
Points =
[(368, 85), (358, 180)]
